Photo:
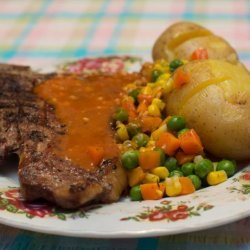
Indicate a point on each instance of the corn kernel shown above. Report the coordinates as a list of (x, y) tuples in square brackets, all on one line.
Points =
[(127, 145), (151, 85), (216, 177), (142, 149), (173, 186), (159, 103), (164, 77), (164, 63), (147, 90), (215, 165), (161, 172), (159, 193), (129, 87), (151, 144), (168, 86), (161, 83), (198, 158), (158, 66), (150, 178), (154, 110), (122, 132), (161, 65), (156, 134)]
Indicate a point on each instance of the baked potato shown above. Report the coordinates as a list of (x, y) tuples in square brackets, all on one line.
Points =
[(216, 103), (181, 39)]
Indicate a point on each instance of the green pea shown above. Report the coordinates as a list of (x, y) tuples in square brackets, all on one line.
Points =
[(155, 74), (228, 166), (171, 164), (120, 115), (196, 181), (203, 167), (135, 193), (133, 129), (176, 63), (176, 173), (176, 123), (134, 93), (187, 168), (182, 131), (130, 159), (141, 139), (162, 155)]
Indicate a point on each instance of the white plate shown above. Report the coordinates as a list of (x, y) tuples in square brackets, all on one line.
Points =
[(209, 207)]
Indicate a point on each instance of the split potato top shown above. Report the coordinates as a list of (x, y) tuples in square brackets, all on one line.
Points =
[(216, 103), (181, 39)]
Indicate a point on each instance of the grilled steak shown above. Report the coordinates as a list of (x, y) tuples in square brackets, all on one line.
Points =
[(30, 129)]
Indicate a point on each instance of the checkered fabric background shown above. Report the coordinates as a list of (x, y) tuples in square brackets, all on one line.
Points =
[(45, 32)]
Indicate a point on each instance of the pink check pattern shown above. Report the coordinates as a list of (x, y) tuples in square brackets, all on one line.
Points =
[(45, 32)]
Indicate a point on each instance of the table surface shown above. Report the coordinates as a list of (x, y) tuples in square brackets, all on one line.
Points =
[(41, 33)]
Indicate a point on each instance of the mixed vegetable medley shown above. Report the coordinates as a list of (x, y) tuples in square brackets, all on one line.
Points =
[(162, 156)]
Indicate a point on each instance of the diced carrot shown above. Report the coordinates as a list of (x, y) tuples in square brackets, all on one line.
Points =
[(190, 142), (182, 158), (152, 191), (135, 176), (181, 78), (149, 159), (145, 98), (150, 123), (96, 154), (187, 186), (199, 54), (128, 104), (168, 142), (142, 107)]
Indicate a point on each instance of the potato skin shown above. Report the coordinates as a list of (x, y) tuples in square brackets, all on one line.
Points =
[(216, 46), (216, 103)]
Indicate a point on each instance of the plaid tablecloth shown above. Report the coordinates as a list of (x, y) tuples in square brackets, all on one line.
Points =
[(41, 33)]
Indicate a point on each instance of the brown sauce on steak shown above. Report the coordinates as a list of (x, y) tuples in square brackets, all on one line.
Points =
[(85, 106)]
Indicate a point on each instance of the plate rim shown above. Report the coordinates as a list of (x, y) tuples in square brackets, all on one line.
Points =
[(154, 232)]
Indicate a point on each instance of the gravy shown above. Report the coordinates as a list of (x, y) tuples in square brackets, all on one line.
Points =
[(86, 107)]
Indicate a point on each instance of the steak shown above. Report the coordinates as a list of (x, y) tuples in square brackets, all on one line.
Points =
[(30, 129)]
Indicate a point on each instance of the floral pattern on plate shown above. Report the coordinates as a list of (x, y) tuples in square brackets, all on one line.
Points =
[(103, 65), (170, 212), (244, 180), (11, 201), (206, 208)]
